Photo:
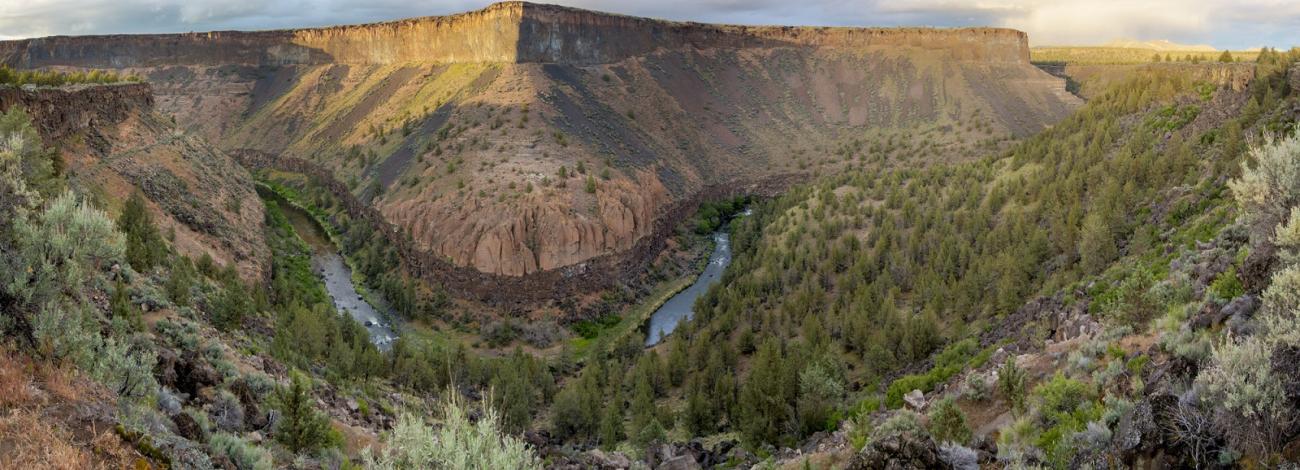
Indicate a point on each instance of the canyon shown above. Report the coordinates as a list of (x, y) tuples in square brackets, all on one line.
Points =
[(111, 139), (554, 149)]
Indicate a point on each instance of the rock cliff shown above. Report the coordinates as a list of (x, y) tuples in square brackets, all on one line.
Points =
[(468, 131), (517, 32)]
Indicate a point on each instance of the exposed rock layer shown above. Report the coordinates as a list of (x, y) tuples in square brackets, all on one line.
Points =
[(455, 128), (517, 32)]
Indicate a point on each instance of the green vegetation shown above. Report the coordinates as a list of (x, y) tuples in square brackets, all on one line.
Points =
[(459, 444), (301, 427), (1125, 55), (9, 76), (144, 245), (367, 249), (867, 272), (953, 359)]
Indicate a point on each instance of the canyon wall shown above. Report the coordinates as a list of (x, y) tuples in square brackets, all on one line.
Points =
[(512, 32), (58, 113), (113, 144), (467, 132)]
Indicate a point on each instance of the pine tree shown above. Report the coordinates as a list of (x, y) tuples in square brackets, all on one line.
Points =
[(301, 427), (145, 247), (643, 404), (611, 419), (121, 307), (179, 282)]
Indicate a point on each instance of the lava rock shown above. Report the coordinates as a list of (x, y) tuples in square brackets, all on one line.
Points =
[(1243, 306), (612, 460), (1136, 431), (188, 428), (1210, 314), (1286, 365), (902, 452)]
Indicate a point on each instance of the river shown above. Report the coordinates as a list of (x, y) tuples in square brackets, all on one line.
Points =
[(680, 306), (337, 276)]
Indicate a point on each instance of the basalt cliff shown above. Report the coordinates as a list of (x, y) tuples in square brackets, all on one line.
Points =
[(524, 139)]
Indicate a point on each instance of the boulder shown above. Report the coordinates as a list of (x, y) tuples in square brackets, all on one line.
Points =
[(681, 462), (1242, 306), (193, 373), (1210, 314), (613, 460), (902, 452), (915, 400), (165, 369), (1257, 270), (1136, 431)]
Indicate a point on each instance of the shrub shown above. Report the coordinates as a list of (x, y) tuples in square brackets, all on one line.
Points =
[(1241, 380), (1060, 396), (1012, 383), (947, 363), (1227, 285), (458, 445), (819, 389), (125, 369), (226, 412), (30, 171), (959, 457), (245, 456), (145, 247), (231, 305), (948, 423), (1268, 191), (56, 250), (899, 423)]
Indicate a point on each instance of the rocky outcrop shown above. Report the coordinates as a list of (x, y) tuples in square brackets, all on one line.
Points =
[(58, 113), (518, 32), (906, 451)]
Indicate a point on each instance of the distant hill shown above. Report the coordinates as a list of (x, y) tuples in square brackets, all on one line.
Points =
[(1162, 45)]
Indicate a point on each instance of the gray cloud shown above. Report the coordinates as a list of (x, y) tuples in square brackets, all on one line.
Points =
[(1222, 23)]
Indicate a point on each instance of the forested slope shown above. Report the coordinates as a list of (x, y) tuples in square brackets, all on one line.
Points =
[(1082, 231)]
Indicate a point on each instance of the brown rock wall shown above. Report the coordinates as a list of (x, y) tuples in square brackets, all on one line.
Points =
[(503, 32)]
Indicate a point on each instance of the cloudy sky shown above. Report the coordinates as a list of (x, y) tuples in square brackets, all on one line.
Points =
[(1232, 24)]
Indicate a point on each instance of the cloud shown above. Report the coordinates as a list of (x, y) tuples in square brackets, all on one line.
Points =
[(1223, 23)]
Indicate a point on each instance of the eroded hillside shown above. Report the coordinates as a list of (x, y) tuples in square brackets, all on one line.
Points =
[(525, 138), (113, 143)]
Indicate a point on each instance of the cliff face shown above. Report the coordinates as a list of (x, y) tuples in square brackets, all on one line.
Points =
[(467, 131), (112, 141), (58, 113), (513, 32)]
